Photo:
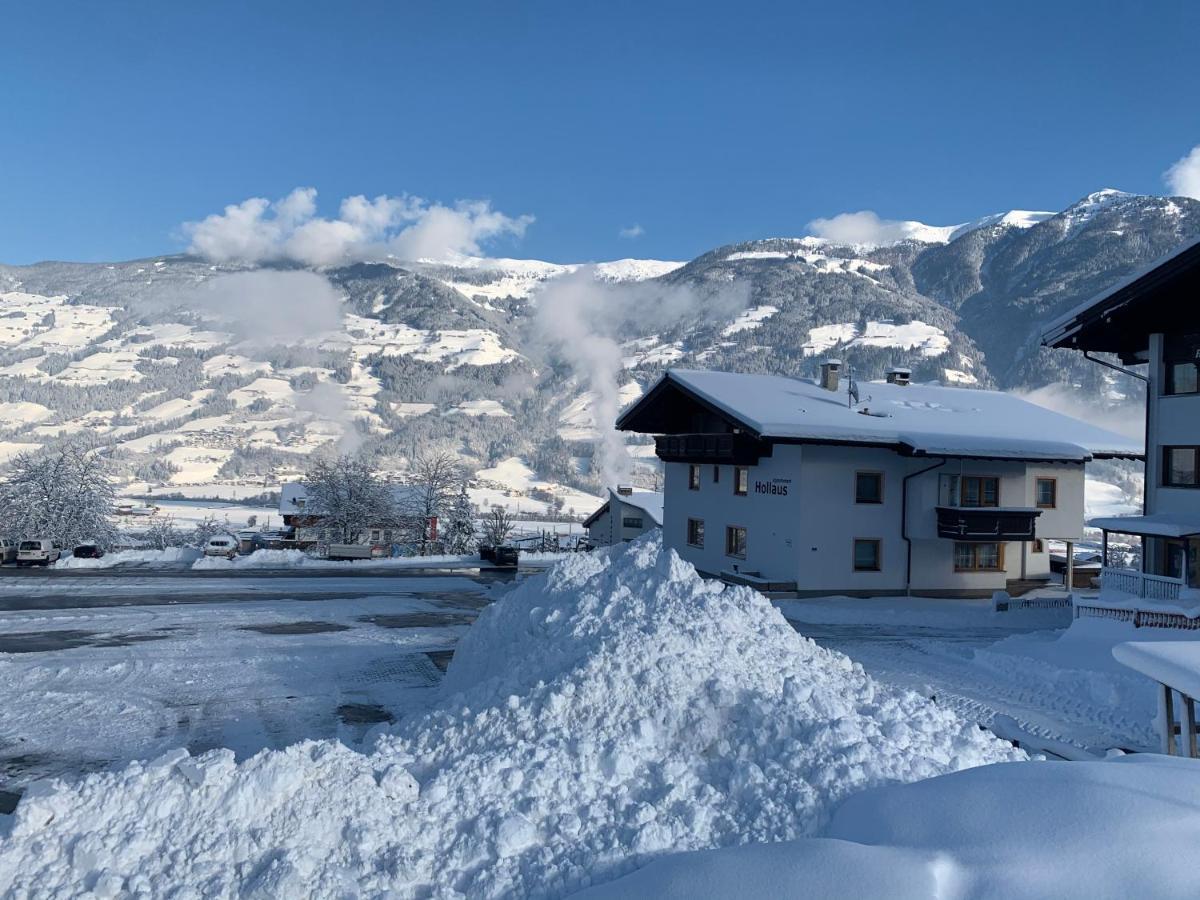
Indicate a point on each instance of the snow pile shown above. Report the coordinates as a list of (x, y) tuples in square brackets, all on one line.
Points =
[(172, 556), (1126, 827), (615, 709)]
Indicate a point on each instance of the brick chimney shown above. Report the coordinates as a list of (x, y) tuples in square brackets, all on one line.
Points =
[(829, 374)]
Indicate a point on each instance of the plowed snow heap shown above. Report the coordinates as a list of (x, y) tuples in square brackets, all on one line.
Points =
[(617, 707)]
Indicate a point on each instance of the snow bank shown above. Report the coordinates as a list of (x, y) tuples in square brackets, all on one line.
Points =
[(174, 556), (1126, 827), (615, 709)]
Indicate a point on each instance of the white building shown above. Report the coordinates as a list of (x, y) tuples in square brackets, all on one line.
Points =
[(791, 484), (626, 514), (1151, 319)]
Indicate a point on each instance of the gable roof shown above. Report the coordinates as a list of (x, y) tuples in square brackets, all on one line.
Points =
[(1158, 298), (913, 419), (649, 502)]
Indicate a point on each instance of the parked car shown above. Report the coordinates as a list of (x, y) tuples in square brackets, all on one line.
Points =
[(38, 552), (225, 545), (87, 551), (8, 551)]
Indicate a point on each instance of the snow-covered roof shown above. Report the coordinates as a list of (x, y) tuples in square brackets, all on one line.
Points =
[(1175, 663), (649, 502), (920, 419), (1159, 524)]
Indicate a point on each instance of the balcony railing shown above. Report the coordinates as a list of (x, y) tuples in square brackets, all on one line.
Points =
[(1140, 584), (979, 524)]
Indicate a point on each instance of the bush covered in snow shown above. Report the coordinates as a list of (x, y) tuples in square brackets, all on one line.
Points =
[(615, 709)]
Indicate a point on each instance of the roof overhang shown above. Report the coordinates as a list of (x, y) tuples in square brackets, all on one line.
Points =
[(1159, 299), (1158, 525)]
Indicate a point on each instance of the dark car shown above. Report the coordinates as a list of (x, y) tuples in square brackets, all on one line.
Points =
[(87, 551)]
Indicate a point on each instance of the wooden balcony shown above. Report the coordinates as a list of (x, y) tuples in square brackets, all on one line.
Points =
[(982, 524), (719, 449)]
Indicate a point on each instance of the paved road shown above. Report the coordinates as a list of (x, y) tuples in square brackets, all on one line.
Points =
[(88, 589), (101, 669)]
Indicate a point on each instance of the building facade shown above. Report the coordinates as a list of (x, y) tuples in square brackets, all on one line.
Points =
[(627, 514), (787, 484), (1152, 319)]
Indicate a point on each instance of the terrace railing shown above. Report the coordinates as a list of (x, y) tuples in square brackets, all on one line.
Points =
[(1140, 584)]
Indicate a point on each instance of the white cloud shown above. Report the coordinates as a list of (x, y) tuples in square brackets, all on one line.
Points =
[(632, 232), (258, 230), (864, 227), (1183, 178)]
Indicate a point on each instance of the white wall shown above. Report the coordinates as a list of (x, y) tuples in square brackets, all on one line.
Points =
[(1174, 421), (807, 535), (771, 520), (608, 529)]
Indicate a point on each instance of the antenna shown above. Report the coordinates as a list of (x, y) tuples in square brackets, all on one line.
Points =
[(851, 388)]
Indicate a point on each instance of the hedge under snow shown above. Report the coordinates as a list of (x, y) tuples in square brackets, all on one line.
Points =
[(616, 708)]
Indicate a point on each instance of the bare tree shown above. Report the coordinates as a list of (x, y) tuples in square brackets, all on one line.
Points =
[(497, 526), (434, 477), (160, 533), (349, 497)]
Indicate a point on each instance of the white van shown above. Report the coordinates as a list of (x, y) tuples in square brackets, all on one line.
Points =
[(225, 545), (38, 552)]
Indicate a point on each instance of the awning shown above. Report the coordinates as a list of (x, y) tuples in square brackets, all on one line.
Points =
[(1172, 525)]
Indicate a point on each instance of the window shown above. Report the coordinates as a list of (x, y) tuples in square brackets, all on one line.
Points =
[(741, 480), (868, 487), (376, 535), (979, 490), (632, 522), (716, 474), (1181, 357), (1181, 378), (978, 557), (1039, 546), (866, 555), (1180, 467), (735, 541), (1046, 491), (695, 534), (693, 478)]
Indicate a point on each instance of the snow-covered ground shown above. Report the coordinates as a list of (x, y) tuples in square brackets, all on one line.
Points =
[(1056, 682), (616, 709), (617, 723), (111, 684)]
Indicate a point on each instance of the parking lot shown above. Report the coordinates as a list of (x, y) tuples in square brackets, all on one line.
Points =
[(101, 667)]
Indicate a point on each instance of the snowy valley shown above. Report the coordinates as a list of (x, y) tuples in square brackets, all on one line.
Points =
[(217, 381)]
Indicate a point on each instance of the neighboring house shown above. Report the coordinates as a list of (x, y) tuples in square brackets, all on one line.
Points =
[(305, 522), (1152, 319), (794, 485), (626, 514)]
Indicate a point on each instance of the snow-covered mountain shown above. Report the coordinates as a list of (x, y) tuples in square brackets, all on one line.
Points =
[(204, 389)]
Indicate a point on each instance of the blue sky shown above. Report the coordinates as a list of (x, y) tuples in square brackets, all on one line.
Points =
[(702, 123)]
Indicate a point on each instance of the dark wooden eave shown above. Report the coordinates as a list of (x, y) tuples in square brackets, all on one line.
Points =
[(670, 407), (1162, 300)]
